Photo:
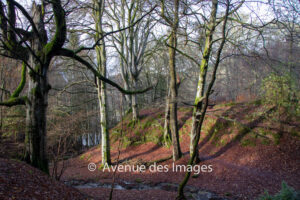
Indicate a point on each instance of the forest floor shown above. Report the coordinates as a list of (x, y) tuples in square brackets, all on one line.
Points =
[(239, 141), (19, 180)]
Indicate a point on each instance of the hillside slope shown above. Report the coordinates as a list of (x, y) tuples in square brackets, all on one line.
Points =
[(21, 181), (250, 152)]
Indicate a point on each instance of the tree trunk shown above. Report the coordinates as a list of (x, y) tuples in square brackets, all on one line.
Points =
[(1, 98), (36, 108), (172, 43), (202, 102), (196, 110), (127, 97), (134, 106), (103, 123), (36, 122), (102, 97), (173, 97), (201, 82), (167, 131)]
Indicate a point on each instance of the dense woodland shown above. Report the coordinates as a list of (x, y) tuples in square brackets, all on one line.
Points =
[(72, 70)]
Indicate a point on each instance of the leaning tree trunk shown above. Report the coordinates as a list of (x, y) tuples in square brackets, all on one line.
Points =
[(201, 82), (201, 100)]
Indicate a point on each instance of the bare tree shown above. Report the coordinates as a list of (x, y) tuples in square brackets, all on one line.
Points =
[(131, 44)]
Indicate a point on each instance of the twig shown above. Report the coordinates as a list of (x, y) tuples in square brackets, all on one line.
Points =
[(119, 151)]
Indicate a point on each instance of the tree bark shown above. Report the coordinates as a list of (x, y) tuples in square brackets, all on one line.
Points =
[(36, 122), (173, 88), (134, 104), (36, 107), (202, 102), (201, 80), (102, 97), (173, 99), (167, 131)]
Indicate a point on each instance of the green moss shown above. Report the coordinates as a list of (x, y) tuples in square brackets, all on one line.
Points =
[(276, 138), (146, 124), (15, 101), (126, 141), (248, 142), (222, 142), (195, 176), (82, 157), (33, 91), (133, 123), (101, 166), (89, 157), (21, 85), (265, 142), (295, 133)]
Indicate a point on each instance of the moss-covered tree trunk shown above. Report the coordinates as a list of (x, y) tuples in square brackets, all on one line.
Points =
[(36, 121), (102, 97), (201, 100), (36, 108), (201, 80)]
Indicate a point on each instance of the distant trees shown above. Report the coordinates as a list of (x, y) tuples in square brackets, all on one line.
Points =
[(287, 14), (131, 44)]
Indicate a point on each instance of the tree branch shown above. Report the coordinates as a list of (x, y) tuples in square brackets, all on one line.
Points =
[(14, 101), (112, 32), (72, 54)]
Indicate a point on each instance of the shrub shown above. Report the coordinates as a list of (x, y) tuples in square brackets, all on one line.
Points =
[(286, 193), (281, 91)]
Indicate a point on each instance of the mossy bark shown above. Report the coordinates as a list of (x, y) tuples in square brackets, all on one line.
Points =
[(201, 80), (36, 153), (202, 102), (36, 108)]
